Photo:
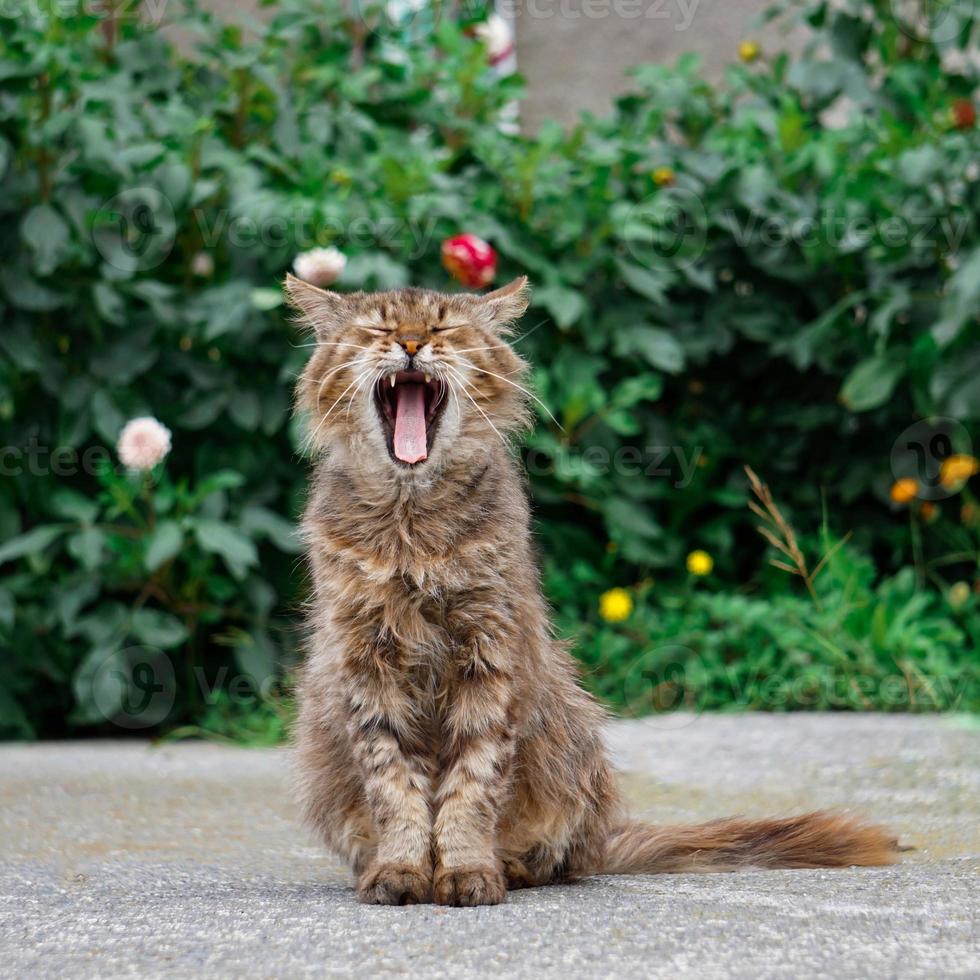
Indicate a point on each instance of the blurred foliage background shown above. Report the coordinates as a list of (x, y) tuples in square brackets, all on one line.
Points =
[(781, 271)]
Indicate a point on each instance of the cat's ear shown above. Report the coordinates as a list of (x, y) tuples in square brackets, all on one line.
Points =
[(505, 305), (322, 309)]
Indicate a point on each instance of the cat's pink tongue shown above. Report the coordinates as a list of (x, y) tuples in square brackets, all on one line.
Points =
[(410, 423)]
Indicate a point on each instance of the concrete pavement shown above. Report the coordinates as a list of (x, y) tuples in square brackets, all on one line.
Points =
[(118, 859)]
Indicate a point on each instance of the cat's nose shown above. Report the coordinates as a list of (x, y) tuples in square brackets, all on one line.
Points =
[(411, 344)]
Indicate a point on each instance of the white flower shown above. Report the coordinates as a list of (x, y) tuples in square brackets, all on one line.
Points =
[(399, 10), (320, 266), (203, 265), (496, 34), (142, 443)]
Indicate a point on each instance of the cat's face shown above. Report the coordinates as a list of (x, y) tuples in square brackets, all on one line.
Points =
[(411, 379)]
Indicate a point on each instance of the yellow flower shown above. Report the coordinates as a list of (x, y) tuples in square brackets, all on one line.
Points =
[(748, 51), (615, 605), (700, 563), (957, 469), (958, 594), (663, 176), (904, 491)]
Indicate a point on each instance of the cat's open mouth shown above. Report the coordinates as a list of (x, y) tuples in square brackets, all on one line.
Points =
[(410, 407)]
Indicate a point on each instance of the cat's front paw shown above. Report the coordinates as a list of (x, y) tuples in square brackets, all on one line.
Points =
[(394, 884), (469, 886)]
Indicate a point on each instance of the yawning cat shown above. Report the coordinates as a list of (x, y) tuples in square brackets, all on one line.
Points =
[(445, 747)]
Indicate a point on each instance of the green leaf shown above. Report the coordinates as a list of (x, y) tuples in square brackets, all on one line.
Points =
[(8, 611), (32, 542), (565, 305), (158, 629), (165, 543), (74, 506), (630, 517), (255, 655), (872, 382), (26, 293), (46, 233), (86, 546), (220, 480), (261, 522), (236, 549), (632, 391), (266, 298), (651, 282), (659, 347), (962, 300), (109, 303), (106, 417), (245, 410)]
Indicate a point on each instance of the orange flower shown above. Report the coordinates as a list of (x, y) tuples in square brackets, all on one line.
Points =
[(970, 514), (957, 469), (904, 491), (929, 512)]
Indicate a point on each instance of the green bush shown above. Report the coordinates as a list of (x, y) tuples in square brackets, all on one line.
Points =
[(723, 277)]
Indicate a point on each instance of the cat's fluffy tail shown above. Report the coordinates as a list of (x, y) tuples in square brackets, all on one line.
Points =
[(813, 840)]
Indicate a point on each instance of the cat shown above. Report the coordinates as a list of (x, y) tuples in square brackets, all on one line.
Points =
[(445, 748)]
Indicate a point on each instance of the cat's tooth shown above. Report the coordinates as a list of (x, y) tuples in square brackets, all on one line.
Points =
[(428, 378), (392, 378)]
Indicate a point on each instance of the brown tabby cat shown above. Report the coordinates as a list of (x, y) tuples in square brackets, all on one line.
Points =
[(445, 747)]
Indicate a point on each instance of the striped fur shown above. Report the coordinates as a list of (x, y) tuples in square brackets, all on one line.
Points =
[(445, 747)]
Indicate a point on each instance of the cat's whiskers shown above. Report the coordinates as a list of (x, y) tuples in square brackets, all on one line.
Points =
[(460, 383), (375, 378), (516, 340), (514, 384), (353, 363), (328, 343), (356, 380)]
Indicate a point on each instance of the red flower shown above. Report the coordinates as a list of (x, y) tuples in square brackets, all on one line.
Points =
[(469, 260), (964, 114)]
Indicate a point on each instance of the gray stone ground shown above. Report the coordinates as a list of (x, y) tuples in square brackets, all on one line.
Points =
[(120, 859)]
